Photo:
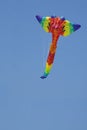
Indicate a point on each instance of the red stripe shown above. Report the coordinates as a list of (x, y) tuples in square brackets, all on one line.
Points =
[(50, 58)]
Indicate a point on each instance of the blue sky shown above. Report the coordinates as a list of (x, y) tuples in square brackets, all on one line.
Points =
[(26, 101)]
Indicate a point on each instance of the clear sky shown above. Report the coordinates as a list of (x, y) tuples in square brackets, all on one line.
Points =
[(26, 101)]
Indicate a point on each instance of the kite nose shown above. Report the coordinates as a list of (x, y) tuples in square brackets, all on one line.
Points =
[(39, 18), (76, 26)]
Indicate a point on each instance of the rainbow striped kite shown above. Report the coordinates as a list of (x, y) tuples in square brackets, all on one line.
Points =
[(57, 26)]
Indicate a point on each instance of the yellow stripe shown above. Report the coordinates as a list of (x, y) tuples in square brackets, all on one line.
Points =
[(48, 68)]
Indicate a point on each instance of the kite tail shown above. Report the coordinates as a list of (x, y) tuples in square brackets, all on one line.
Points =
[(50, 60)]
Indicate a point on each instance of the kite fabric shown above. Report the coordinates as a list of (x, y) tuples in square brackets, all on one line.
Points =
[(58, 27)]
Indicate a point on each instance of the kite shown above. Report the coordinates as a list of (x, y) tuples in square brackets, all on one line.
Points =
[(58, 26)]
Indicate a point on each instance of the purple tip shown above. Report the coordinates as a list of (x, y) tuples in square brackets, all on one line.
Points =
[(39, 18), (53, 16), (43, 77), (76, 26), (63, 18)]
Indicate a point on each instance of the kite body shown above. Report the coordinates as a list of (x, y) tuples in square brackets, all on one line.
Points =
[(57, 26)]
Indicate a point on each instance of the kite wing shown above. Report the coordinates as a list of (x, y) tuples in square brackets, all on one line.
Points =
[(44, 21), (69, 28)]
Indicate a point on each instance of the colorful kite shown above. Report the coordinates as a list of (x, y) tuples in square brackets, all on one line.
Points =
[(57, 26)]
